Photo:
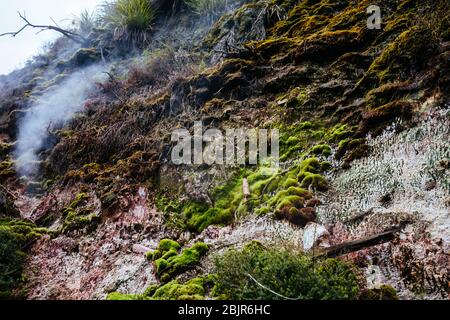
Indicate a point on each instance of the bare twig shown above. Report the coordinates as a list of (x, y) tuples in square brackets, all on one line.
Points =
[(270, 290), (67, 33)]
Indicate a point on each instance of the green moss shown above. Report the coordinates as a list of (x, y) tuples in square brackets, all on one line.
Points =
[(5, 149), (296, 139), (227, 200), (79, 216), (262, 211), (292, 141), (194, 289), (348, 145), (200, 216), (116, 296), (313, 180), (321, 149), (407, 51), (292, 193), (169, 262), (289, 201), (167, 244), (339, 132), (290, 183), (14, 235), (7, 169)]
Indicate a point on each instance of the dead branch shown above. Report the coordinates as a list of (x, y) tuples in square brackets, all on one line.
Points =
[(356, 245), (67, 33)]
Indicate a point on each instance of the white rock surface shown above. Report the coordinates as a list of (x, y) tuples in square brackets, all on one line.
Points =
[(315, 235)]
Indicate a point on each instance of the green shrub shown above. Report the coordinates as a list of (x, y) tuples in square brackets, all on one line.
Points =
[(291, 275), (14, 234), (11, 260)]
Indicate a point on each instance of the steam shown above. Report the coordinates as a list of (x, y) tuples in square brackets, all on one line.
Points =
[(51, 111)]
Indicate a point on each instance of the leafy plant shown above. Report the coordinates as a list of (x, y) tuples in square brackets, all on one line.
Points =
[(14, 234), (268, 274)]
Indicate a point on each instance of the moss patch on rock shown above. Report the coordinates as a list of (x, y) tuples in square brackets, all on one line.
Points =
[(15, 235), (170, 261)]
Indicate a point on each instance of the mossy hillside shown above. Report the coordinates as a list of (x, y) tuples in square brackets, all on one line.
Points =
[(342, 22), (170, 261), (15, 235)]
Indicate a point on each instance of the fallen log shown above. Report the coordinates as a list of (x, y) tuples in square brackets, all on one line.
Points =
[(356, 245)]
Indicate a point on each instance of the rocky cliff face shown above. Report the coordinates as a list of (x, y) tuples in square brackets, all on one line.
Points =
[(363, 117)]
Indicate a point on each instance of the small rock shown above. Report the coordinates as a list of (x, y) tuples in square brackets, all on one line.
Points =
[(140, 249), (281, 102), (444, 164), (430, 185), (315, 235), (447, 201), (374, 276)]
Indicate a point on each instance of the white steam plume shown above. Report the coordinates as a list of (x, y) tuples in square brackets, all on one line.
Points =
[(52, 110)]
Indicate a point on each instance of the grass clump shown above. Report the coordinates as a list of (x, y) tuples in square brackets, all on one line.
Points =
[(206, 7), (169, 261), (291, 275), (129, 20)]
